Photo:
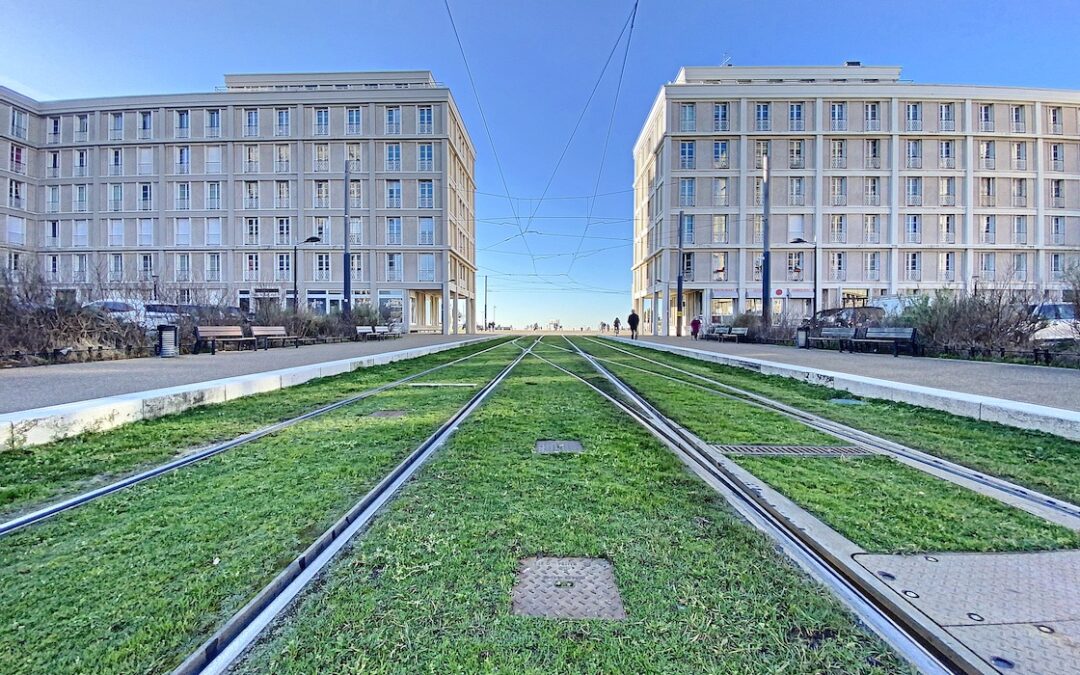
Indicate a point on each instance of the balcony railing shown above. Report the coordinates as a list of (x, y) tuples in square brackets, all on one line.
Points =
[(78, 206), (183, 275), (1055, 127), (947, 200), (52, 242), (838, 237), (18, 167), (324, 203), (1018, 127), (947, 162), (793, 163), (987, 200), (251, 130), (15, 202), (355, 128), (947, 275), (395, 128), (1019, 275), (914, 200), (116, 204), (872, 237), (794, 275), (213, 203), (183, 204), (871, 274), (837, 275), (281, 130), (425, 165), (914, 163), (1057, 238), (251, 275), (52, 172), (213, 275), (116, 134), (146, 169), (1019, 164), (1020, 237), (986, 125), (395, 165), (281, 166), (947, 125), (183, 132), (871, 199), (183, 168), (1057, 275), (762, 125), (213, 132), (796, 199), (146, 275), (321, 165), (52, 207), (838, 163), (322, 129), (322, 275), (988, 237), (1019, 200), (425, 203), (1057, 165), (720, 200), (282, 275), (796, 124), (81, 136), (873, 125), (723, 125), (839, 200), (213, 167), (53, 137), (913, 237), (913, 275), (282, 203), (873, 162), (251, 166), (913, 125), (116, 169), (78, 171), (78, 276), (838, 124), (251, 202)]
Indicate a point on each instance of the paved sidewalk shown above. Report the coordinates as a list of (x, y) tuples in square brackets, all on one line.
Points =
[(27, 388), (1039, 385)]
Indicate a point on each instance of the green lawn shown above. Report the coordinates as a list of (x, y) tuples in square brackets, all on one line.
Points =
[(1037, 460), (137, 580), (879, 504), (427, 589), (30, 476)]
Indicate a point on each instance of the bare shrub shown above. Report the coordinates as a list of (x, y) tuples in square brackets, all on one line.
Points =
[(995, 318)]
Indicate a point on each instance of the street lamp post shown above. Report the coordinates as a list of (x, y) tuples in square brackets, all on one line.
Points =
[(296, 272), (813, 301), (155, 278), (766, 272), (346, 300)]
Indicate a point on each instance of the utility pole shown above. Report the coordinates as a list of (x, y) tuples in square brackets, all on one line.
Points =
[(346, 300), (766, 286), (679, 282), (485, 301)]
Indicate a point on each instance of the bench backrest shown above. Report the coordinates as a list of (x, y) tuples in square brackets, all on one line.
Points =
[(740, 331), (219, 332), (268, 331), (891, 333), (363, 330), (840, 333), (719, 330), (381, 329)]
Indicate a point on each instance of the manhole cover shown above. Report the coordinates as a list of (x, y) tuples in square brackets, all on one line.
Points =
[(794, 450), (387, 413), (847, 401), (567, 588), (553, 447)]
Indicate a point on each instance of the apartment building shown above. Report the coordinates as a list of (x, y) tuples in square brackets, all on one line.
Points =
[(203, 197), (878, 186)]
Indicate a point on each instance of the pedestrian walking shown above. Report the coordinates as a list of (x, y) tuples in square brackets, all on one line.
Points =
[(632, 321), (695, 327), (617, 324)]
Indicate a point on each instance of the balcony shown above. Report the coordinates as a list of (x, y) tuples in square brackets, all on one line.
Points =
[(1057, 165), (794, 275), (354, 129), (838, 125), (282, 203), (987, 200), (913, 237), (1057, 238), (914, 200), (762, 125), (871, 199), (116, 169), (796, 199), (425, 165), (1020, 237), (320, 165), (52, 207), (53, 137), (873, 162), (145, 169), (213, 203), (183, 132), (282, 275), (946, 125), (838, 163), (425, 203), (793, 163), (183, 275), (52, 172), (1057, 202), (1019, 200), (324, 203), (947, 199), (872, 274), (116, 134), (251, 275), (356, 202), (837, 275), (913, 125), (78, 205), (395, 165), (838, 237), (988, 237), (251, 166), (52, 242), (913, 163), (721, 200), (282, 166), (146, 275), (145, 134), (213, 275), (1019, 275), (947, 162), (1057, 275), (251, 202), (251, 130), (947, 275), (1019, 164), (183, 168), (324, 130), (839, 200), (986, 125), (322, 275), (913, 275), (79, 171), (282, 130), (723, 125), (81, 136), (394, 128), (873, 125), (213, 132), (116, 204), (872, 237), (182, 204), (1055, 128), (213, 167), (18, 167), (795, 125), (79, 276), (116, 240), (15, 202), (1018, 127)]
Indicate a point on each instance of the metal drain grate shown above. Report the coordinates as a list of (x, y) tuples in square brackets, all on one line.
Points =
[(567, 588), (387, 413), (793, 450), (555, 447)]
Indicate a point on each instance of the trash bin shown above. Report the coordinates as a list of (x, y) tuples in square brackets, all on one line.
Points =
[(801, 335), (168, 338)]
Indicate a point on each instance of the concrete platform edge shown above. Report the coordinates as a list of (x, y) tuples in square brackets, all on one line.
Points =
[(43, 425), (1057, 421)]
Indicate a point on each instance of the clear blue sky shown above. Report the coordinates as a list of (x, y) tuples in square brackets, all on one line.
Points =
[(534, 64)]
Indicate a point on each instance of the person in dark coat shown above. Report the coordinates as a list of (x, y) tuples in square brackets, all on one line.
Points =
[(618, 325), (632, 321), (695, 327)]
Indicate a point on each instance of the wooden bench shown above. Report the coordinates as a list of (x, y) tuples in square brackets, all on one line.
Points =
[(382, 332), (714, 332), (896, 337), (268, 334), (364, 332), (735, 334), (839, 336), (212, 335)]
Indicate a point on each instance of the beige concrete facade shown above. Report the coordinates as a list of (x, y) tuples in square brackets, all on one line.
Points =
[(202, 197), (894, 187)]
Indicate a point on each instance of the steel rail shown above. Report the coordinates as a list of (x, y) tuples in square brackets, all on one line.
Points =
[(1034, 498), (76, 501), (881, 613), (218, 653)]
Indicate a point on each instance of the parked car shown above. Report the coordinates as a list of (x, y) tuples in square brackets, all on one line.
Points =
[(1058, 321), (846, 317), (147, 315)]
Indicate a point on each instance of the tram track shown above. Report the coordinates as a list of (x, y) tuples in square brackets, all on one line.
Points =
[(928, 650), (1045, 506), (219, 652), (54, 509)]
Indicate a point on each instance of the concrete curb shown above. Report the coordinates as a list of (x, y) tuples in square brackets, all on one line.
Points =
[(43, 425), (1057, 421)]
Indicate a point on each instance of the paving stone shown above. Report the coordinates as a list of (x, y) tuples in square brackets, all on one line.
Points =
[(793, 450), (1051, 648), (555, 447), (567, 588), (387, 413)]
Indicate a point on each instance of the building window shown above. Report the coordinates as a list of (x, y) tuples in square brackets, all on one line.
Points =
[(913, 266), (872, 266), (393, 267), (283, 122), (322, 122), (426, 231), (353, 122), (796, 191), (1017, 117), (425, 194), (686, 191), (393, 231), (838, 153), (321, 229), (425, 157), (356, 194), (796, 154), (146, 125), (947, 271), (838, 266), (838, 229), (393, 120), (356, 231), (19, 123), (251, 232), (913, 116), (320, 159), (356, 265), (283, 269), (719, 192), (393, 157), (425, 120), (251, 267), (322, 267), (719, 266), (213, 124), (796, 120), (322, 195), (986, 117), (913, 229), (761, 117), (914, 154), (686, 155), (838, 116), (213, 231), (795, 268), (872, 113), (687, 117), (393, 194), (426, 268), (213, 196), (183, 267), (946, 117), (282, 159), (721, 159), (251, 122), (146, 231), (838, 190), (283, 234), (251, 194), (183, 124), (1020, 230), (80, 233), (989, 229), (282, 195), (947, 227), (872, 228), (873, 153), (182, 232), (183, 197), (913, 190), (1057, 230)]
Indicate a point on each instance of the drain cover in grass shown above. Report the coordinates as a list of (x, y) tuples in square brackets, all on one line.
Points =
[(387, 413), (554, 447), (567, 588), (847, 401)]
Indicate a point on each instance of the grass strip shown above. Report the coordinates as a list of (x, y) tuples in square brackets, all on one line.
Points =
[(135, 581), (1034, 459), (427, 589), (879, 504), (32, 476), (886, 507)]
